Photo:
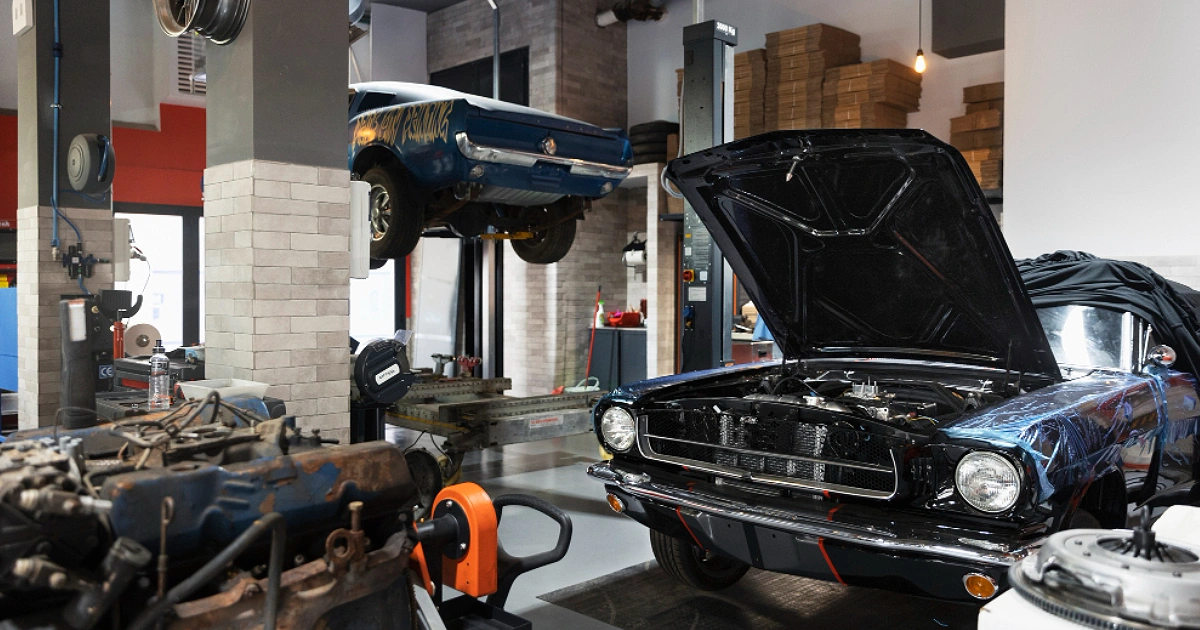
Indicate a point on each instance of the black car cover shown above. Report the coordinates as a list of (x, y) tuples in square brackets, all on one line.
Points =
[(1069, 277)]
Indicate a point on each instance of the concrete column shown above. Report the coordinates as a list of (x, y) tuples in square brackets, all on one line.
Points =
[(41, 279), (277, 214)]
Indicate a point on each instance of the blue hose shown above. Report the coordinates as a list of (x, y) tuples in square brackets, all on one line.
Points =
[(57, 107)]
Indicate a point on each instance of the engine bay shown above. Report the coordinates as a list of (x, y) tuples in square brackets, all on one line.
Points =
[(907, 403)]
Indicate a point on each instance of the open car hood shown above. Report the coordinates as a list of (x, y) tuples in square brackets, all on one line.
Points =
[(878, 245)]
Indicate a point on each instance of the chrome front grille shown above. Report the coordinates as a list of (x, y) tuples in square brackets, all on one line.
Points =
[(778, 450)]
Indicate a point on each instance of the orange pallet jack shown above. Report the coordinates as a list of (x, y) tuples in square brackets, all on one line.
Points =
[(458, 546)]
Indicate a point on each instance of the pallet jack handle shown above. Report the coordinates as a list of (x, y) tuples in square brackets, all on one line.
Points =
[(510, 567)]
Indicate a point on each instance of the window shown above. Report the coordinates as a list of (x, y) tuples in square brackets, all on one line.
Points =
[(159, 280), (169, 281)]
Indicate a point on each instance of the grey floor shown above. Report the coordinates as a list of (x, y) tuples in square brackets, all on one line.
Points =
[(555, 470)]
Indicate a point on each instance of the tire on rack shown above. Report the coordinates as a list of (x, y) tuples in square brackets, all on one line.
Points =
[(549, 245), (644, 138), (656, 126), (397, 219), (693, 566)]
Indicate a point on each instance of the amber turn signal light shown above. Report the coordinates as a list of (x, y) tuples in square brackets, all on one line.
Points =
[(978, 585), (615, 503)]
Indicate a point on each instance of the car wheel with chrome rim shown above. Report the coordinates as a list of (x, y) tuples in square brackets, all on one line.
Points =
[(397, 220)]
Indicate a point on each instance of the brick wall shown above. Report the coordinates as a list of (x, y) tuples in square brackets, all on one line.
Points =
[(277, 284), (1181, 269), (548, 307), (462, 33), (42, 282), (592, 77), (635, 223)]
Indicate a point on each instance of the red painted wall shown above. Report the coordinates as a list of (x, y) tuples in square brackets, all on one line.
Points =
[(8, 171), (162, 167), (154, 167)]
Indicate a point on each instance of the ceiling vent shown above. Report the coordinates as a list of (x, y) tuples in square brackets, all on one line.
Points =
[(191, 76)]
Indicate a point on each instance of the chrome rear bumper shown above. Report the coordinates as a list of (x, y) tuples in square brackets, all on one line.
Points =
[(879, 535), (514, 157)]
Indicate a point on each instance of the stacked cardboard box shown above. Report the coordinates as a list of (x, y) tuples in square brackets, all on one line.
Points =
[(796, 63), (979, 135), (873, 94), (749, 87)]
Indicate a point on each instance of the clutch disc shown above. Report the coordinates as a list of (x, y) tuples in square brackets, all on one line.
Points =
[(1114, 579)]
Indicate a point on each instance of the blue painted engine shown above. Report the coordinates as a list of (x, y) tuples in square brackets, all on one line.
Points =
[(83, 513)]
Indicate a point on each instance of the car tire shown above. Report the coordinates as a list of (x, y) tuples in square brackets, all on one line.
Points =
[(549, 245), (397, 220), (648, 138), (1083, 519), (656, 158), (657, 126), (693, 566), (427, 479)]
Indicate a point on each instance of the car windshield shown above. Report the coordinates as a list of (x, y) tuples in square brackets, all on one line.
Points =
[(1089, 338)]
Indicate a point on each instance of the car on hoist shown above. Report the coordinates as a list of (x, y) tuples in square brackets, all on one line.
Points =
[(468, 166), (938, 414)]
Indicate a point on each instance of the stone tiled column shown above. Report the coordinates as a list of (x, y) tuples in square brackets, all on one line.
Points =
[(277, 283), (41, 283), (84, 93)]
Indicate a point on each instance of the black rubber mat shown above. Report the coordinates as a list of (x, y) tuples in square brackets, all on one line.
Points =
[(645, 598)]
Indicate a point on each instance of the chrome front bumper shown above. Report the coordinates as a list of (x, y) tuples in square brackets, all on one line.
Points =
[(876, 536), (514, 157)]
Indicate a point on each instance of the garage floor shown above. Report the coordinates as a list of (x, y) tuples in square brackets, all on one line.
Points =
[(625, 588)]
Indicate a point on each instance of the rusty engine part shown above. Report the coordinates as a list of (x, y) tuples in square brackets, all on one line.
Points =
[(80, 512), (203, 486)]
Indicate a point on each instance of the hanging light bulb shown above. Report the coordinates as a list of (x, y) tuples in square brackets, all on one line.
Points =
[(919, 65)]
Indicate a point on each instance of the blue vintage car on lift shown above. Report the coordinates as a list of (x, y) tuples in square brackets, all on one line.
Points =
[(443, 160)]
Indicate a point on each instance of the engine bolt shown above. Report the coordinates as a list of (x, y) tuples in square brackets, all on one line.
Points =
[(299, 559), (22, 567)]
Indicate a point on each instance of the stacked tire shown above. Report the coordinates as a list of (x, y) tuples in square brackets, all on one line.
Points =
[(649, 141)]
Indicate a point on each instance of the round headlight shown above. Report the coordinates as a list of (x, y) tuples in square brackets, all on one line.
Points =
[(988, 481), (618, 429)]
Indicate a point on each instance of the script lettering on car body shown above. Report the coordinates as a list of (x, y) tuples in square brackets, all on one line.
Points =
[(426, 122)]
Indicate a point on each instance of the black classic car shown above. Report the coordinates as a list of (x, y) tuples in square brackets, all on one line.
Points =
[(931, 422)]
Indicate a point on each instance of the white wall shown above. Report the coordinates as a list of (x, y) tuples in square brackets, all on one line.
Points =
[(888, 29), (1101, 134), (397, 45), (8, 63)]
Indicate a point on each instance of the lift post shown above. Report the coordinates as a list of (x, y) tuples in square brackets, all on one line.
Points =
[(707, 280)]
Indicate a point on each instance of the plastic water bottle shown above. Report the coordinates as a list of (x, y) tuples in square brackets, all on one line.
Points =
[(160, 379)]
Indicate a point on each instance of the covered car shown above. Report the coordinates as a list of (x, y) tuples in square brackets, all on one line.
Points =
[(469, 166), (923, 431)]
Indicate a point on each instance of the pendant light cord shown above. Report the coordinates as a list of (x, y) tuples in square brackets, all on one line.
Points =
[(920, 21)]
